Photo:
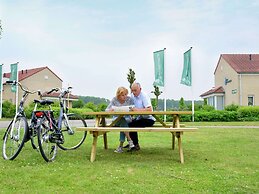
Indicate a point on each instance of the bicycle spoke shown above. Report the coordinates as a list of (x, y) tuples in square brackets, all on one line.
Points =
[(15, 138), (47, 147), (72, 138)]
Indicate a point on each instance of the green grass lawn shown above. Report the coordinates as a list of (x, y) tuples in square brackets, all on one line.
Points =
[(217, 160)]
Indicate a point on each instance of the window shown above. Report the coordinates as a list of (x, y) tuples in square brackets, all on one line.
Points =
[(250, 100)]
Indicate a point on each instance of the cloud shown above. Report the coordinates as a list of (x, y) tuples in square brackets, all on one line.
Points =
[(91, 45)]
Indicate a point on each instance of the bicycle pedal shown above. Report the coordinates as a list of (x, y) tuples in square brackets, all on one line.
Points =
[(70, 132), (56, 138)]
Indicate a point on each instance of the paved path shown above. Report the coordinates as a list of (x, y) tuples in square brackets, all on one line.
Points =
[(91, 122), (4, 124), (227, 126)]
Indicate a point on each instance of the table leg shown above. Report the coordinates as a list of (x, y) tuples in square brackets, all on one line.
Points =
[(176, 122), (105, 142), (173, 140), (178, 135), (103, 124), (94, 145)]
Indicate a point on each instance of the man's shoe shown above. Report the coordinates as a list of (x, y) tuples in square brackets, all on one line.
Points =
[(126, 146), (137, 147), (132, 149), (131, 145)]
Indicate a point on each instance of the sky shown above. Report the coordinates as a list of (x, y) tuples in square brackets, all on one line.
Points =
[(91, 45)]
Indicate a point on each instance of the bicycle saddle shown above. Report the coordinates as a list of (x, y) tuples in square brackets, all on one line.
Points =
[(44, 102)]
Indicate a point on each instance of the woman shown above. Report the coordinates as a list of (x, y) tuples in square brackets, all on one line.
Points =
[(122, 99)]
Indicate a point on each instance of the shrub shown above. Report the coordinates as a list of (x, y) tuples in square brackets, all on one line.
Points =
[(231, 107), (90, 105), (207, 108), (78, 104), (8, 109), (248, 113), (101, 107)]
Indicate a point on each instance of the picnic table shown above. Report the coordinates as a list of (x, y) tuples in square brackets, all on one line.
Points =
[(102, 127)]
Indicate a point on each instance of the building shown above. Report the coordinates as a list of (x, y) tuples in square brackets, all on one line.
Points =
[(236, 80), (41, 78)]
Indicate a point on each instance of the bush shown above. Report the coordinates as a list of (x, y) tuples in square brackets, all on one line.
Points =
[(8, 109), (207, 108), (78, 104), (231, 107), (101, 107), (248, 113), (82, 112), (91, 105)]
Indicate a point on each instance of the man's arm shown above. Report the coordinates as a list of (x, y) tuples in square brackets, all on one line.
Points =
[(149, 108)]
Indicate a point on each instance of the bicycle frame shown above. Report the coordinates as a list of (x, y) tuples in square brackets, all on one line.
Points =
[(20, 111), (51, 133), (18, 131), (63, 108)]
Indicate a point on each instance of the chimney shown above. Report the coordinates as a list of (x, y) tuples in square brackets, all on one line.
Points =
[(250, 57), (26, 71), (22, 71)]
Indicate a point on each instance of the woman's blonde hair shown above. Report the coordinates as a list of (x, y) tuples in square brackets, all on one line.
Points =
[(121, 90)]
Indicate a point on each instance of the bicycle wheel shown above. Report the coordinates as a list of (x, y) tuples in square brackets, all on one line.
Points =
[(48, 148), (15, 137), (34, 138), (72, 138)]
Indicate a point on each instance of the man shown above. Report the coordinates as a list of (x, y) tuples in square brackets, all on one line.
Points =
[(142, 102)]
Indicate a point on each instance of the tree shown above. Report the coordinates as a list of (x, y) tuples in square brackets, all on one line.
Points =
[(78, 104), (157, 94), (205, 102), (131, 77), (1, 29), (182, 105), (90, 105)]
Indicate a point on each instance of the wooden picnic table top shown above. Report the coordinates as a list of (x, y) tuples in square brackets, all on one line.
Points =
[(104, 113)]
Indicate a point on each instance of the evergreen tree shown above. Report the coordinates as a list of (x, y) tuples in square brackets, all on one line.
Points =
[(157, 93), (131, 77), (1, 29), (182, 105)]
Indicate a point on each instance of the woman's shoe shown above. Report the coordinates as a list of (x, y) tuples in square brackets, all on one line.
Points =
[(118, 150)]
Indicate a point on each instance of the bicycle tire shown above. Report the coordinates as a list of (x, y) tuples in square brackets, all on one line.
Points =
[(13, 143), (34, 138), (47, 148), (72, 140)]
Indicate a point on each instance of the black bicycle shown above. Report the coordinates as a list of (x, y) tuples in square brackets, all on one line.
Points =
[(59, 132), (19, 131)]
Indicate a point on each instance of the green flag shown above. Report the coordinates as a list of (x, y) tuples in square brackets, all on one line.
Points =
[(187, 69), (1, 78), (159, 68), (13, 76)]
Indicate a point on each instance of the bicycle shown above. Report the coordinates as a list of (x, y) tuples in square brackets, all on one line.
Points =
[(61, 131), (49, 132), (18, 131)]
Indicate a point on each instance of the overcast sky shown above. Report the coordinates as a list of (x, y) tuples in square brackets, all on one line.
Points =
[(91, 44)]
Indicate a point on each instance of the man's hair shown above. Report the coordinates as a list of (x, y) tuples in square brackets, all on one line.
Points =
[(137, 83)]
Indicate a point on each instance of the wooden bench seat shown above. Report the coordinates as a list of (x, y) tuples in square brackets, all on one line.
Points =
[(145, 129), (159, 125), (176, 132)]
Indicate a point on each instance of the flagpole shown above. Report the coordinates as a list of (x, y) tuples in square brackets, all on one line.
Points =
[(192, 92), (164, 85), (187, 74), (17, 77), (1, 88)]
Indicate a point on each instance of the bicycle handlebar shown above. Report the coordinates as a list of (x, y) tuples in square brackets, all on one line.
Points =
[(52, 90), (63, 92), (13, 82)]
